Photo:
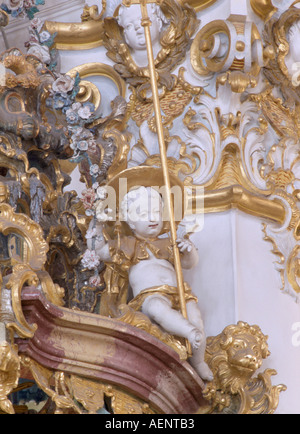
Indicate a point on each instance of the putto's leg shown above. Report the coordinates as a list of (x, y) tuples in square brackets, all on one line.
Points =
[(159, 310), (197, 359)]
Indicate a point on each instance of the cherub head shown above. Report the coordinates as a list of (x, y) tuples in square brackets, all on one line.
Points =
[(142, 209), (134, 34)]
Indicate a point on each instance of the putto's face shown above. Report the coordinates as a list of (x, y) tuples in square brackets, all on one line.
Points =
[(145, 215), (134, 33)]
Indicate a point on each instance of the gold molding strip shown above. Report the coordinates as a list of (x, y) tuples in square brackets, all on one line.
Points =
[(237, 197), (76, 36)]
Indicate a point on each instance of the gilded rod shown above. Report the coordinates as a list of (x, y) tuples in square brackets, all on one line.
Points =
[(146, 23)]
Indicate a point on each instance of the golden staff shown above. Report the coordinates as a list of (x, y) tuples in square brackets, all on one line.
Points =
[(146, 23)]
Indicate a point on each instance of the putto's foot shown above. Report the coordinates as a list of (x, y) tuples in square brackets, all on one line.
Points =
[(196, 338), (203, 371)]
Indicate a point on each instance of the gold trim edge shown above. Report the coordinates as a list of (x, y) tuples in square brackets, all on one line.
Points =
[(76, 36)]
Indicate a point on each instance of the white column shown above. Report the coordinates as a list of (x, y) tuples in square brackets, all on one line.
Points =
[(213, 280)]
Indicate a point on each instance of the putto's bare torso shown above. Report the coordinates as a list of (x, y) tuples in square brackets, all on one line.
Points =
[(150, 273)]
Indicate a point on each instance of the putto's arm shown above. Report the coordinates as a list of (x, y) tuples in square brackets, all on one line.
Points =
[(189, 254)]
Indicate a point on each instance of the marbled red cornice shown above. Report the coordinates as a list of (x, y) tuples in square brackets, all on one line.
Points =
[(112, 352)]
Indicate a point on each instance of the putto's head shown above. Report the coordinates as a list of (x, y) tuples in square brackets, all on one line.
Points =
[(142, 209), (130, 20)]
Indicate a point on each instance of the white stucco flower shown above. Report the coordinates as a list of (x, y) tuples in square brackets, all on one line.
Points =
[(63, 84), (82, 145), (76, 106), (90, 260), (44, 36), (94, 169), (37, 24), (40, 51), (13, 5), (90, 233), (101, 193), (85, 112)]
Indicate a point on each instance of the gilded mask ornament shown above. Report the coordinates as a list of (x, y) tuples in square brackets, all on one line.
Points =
[(234, 356)]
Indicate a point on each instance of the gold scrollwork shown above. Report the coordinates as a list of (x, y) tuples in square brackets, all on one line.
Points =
[(9, 375), (27, 266), (88, 91), (279, 72), (4, 192), (78, 395), (31, 232), (24, 73), (20, 276), (202, 48)]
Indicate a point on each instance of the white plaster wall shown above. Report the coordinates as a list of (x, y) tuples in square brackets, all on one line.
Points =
[(212, 280), (236, 280)]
